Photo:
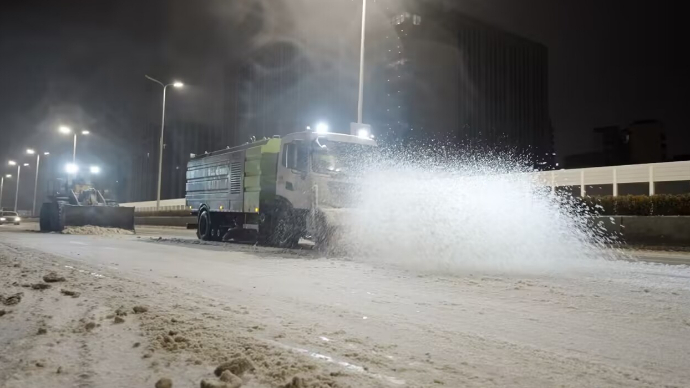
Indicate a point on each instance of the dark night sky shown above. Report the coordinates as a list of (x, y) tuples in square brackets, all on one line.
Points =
[(611, 62)]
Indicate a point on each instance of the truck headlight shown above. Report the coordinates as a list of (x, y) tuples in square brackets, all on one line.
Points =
[(17, 219), (3, 219)]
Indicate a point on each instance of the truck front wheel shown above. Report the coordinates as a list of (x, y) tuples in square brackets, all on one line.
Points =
[(204, 229), (287, 229)]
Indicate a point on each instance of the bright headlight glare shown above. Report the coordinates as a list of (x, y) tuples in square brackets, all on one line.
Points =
[(71, 168)]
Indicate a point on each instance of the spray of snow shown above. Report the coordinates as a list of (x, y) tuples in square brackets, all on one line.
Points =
[(471, 214)]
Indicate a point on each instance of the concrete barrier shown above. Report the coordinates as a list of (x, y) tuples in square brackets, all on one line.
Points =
[(651, 230), (667, 230), (165, 221)]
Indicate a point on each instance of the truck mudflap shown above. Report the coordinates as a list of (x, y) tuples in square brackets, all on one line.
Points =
[(103, 216)]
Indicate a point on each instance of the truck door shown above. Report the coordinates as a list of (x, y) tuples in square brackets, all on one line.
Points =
[(293, 174)]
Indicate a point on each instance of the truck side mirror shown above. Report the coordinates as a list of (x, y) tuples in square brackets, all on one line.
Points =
[(316, 145)]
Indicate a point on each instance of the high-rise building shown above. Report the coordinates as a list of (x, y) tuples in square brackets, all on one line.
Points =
[(643, 141), (445, 75)]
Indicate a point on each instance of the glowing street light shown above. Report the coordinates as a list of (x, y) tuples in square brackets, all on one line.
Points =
[(175, 84), (26, 164), (67, 130), (12, 163), (95, 170), (71, 168), (321, 128), (30, 151)]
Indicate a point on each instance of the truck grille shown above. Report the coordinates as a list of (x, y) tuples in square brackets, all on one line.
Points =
[(235, 177), (341, 194)]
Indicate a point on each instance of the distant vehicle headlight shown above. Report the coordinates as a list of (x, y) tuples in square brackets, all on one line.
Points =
[(3, 219)]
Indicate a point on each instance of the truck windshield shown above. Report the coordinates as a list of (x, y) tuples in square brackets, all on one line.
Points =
[(340, 157)]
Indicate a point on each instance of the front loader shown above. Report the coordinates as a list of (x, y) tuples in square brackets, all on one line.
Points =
[(81, 205)]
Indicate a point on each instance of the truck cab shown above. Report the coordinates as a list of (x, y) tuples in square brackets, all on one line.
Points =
[(328, 162)]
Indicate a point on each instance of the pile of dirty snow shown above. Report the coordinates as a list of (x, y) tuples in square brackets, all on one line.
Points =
[(95, 230)]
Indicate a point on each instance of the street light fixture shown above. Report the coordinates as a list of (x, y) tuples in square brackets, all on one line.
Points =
[(12, 163), (95, 170), (30, 151), (175, 84), (321, 128), (67, 130), (71, 168)]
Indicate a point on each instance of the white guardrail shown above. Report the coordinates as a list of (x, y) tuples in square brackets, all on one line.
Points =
[(616, 175), (582, 177), (150, 206)]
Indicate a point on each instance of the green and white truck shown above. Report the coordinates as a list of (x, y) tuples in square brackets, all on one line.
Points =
[(277, 189)]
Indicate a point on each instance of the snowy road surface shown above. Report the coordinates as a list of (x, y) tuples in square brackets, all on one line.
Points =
[(305, 320)]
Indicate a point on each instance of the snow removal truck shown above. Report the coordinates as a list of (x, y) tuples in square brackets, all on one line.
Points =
[(277, 189), (80, 204)]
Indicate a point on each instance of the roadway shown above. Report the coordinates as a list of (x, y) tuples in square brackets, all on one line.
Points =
[(345, 321)]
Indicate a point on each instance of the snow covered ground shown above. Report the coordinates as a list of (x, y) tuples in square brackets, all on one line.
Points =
[(302, 320)]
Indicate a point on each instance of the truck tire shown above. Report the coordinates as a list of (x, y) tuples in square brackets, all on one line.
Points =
[(323, 234), (44, 218), (58, 219), (287, 229), (204, 227), (51, 217)]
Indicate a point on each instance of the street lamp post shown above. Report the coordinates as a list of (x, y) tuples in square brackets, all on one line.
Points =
[(19, 172), (360, 100), (2, 187), (38, 164), (68, 130), (175, 84)]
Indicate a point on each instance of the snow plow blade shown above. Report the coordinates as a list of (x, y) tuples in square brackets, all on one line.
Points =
[(103, 216), (56, 216)]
